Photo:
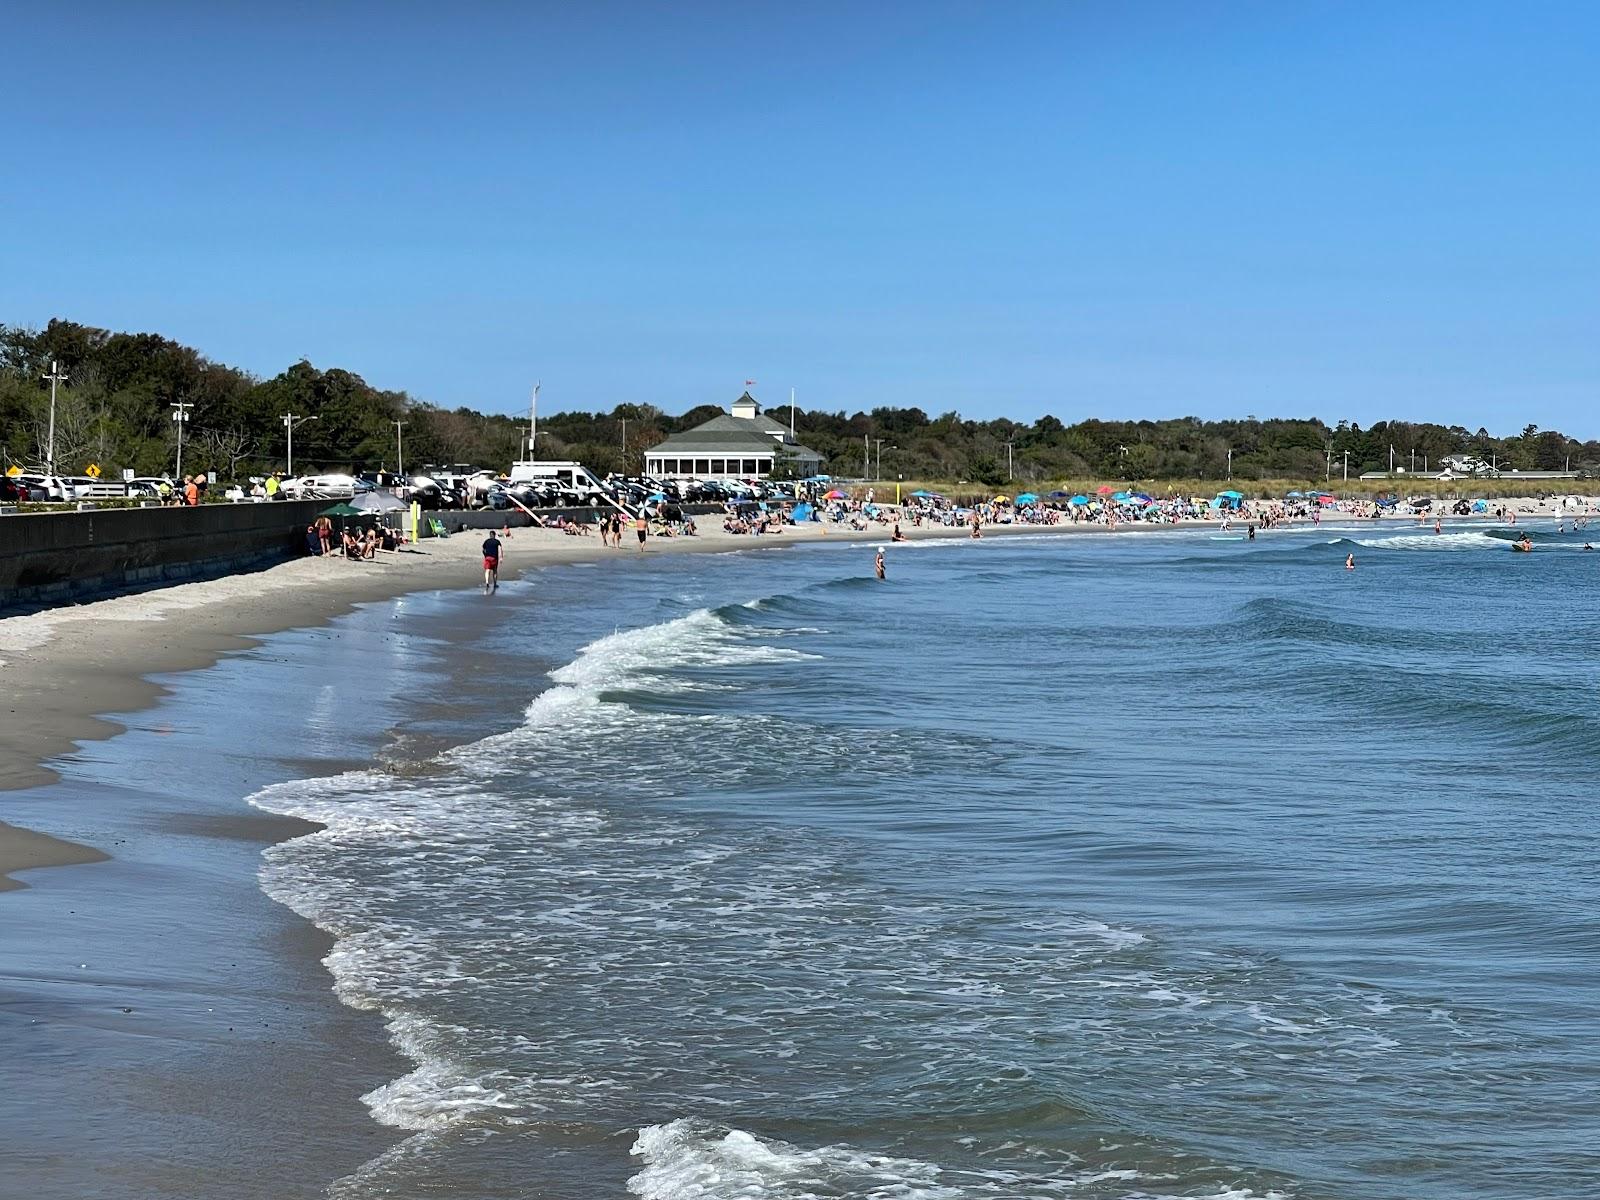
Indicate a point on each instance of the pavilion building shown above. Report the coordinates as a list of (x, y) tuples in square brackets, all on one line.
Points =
[(744, 444)]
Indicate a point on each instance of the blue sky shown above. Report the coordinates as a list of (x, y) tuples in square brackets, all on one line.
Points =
[(1349, 210)]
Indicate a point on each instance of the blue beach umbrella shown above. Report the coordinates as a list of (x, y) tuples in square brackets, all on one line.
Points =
[(656, 498), (1119, 495), (1079, 500), (1142, 498), (1293, 495), (1058, 495), (1027, 498)]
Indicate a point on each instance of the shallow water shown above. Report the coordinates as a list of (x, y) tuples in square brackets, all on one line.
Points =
[(1105, 867)]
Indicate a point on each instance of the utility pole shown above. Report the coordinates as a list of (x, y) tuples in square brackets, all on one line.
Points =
[(399, 447), (1413, 460), (1009, 473), (866, 457), (290, 424), (1347, 466), (1327, 473), (56, 376), (624, 445), (1230, 463), (180, 414), (877, 471), (533, 424), (1391, 458), (791, 414)]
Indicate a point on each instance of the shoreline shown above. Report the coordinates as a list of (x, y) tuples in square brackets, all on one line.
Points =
[(67, 690), (73, 671)]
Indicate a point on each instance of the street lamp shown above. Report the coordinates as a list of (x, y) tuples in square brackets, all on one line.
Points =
[(399, 447), (290, 424), (56, 376), (1230, 462), (180, 414)]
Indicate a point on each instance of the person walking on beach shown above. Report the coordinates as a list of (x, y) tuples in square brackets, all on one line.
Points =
[(878, 566), (642, 526), (491, 564)]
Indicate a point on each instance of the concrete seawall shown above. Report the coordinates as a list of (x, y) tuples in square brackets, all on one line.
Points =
[(62, 558)]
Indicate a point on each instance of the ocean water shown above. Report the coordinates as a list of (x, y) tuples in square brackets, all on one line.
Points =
[(1104, 867)]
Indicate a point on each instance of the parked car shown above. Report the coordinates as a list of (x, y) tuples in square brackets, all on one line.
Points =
[(17, 489), (323, 487)]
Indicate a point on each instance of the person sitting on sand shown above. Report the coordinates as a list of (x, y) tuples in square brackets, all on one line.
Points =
[(897, 535), (313, 541)]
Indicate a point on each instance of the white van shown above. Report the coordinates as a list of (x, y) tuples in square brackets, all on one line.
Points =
[(573, 475)]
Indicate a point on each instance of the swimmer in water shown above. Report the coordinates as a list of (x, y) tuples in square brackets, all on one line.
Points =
[(1438, 526), (1350, 562), (879, 567)]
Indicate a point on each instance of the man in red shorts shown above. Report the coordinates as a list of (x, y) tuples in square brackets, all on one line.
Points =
[(491, 564)]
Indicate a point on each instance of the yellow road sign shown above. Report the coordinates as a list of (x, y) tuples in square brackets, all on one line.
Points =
[(92, 471)]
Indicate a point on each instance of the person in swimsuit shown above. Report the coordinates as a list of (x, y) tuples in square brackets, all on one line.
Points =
[(491, 564), (642, 528), (1350, 562), (878, 566)]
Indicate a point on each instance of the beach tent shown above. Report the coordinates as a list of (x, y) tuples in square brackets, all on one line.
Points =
[(804, 512), (1027, 498), (1480, 506), (1079, 500), (1232, 495)]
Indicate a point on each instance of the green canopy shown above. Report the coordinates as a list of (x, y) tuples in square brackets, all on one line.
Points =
[(342, 510)]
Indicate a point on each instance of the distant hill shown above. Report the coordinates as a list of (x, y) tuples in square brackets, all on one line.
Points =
[(115, 410)]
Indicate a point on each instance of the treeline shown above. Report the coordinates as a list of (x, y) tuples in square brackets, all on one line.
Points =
[(115, 410)]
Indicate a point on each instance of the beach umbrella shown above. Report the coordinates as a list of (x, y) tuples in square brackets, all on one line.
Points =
[(1002, 500), (1027, 498), (656, 498), (1142, 498), (1293, 495), (1079, 500), (922, 492), (1103, 490), (342, 510), (1058, 494), (378, 502), (1119, 495), (836, 494)]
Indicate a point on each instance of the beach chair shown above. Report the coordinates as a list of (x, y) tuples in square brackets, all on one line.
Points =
[(436, 527)]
